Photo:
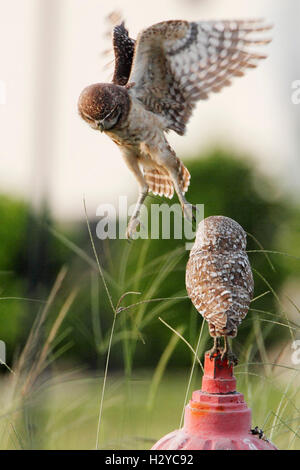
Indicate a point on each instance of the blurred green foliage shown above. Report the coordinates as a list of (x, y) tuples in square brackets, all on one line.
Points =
[(34, 248), (12, 283)]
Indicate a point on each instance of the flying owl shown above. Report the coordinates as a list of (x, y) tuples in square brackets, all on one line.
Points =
[(219, 279), (156, 83)]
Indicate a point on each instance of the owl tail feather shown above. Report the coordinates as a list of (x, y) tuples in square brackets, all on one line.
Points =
[(159, 183)]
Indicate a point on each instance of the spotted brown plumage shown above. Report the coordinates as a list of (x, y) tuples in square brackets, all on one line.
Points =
[(163, 74), (219, 279), (97, 101)]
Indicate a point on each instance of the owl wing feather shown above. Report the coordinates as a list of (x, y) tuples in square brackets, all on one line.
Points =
[(221, 288), (177, 63), (123, 50)]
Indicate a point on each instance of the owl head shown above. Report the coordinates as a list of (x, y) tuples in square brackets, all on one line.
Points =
[(218, 233), (103, 105)]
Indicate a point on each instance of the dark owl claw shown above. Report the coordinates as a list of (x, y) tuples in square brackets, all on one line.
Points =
[(214, 354), (195, 213), (190, 212), (230, 356)]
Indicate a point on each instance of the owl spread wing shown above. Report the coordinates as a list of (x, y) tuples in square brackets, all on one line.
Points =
[(123, 50), (177, 63)]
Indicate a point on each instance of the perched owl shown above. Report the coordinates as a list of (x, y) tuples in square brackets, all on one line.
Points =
[(157, 81), (219, 279)]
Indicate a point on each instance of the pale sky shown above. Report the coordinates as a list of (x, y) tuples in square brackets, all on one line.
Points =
[(51, 49)]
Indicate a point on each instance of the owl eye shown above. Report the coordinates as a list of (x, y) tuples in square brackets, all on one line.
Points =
[(112, 118), (115, 113)]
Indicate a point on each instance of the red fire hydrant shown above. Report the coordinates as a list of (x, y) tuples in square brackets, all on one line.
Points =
[(217, 417)]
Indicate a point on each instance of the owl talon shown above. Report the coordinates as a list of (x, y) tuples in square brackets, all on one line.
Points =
[(214, 352), (189, 212), (230, 356), (227, 354)]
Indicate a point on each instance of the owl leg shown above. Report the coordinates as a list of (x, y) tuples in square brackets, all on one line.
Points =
[(228, 354), (216, 349), (131, 160), (167, 158), (214, 352), (134, 221), (188, 209)]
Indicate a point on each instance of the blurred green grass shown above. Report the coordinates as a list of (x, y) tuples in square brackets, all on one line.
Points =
[(64, 413)]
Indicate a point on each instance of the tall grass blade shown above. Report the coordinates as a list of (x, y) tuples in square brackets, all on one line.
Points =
[(262, 250), (192, 373), (112, 328), (184, 340), (161, 366)]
